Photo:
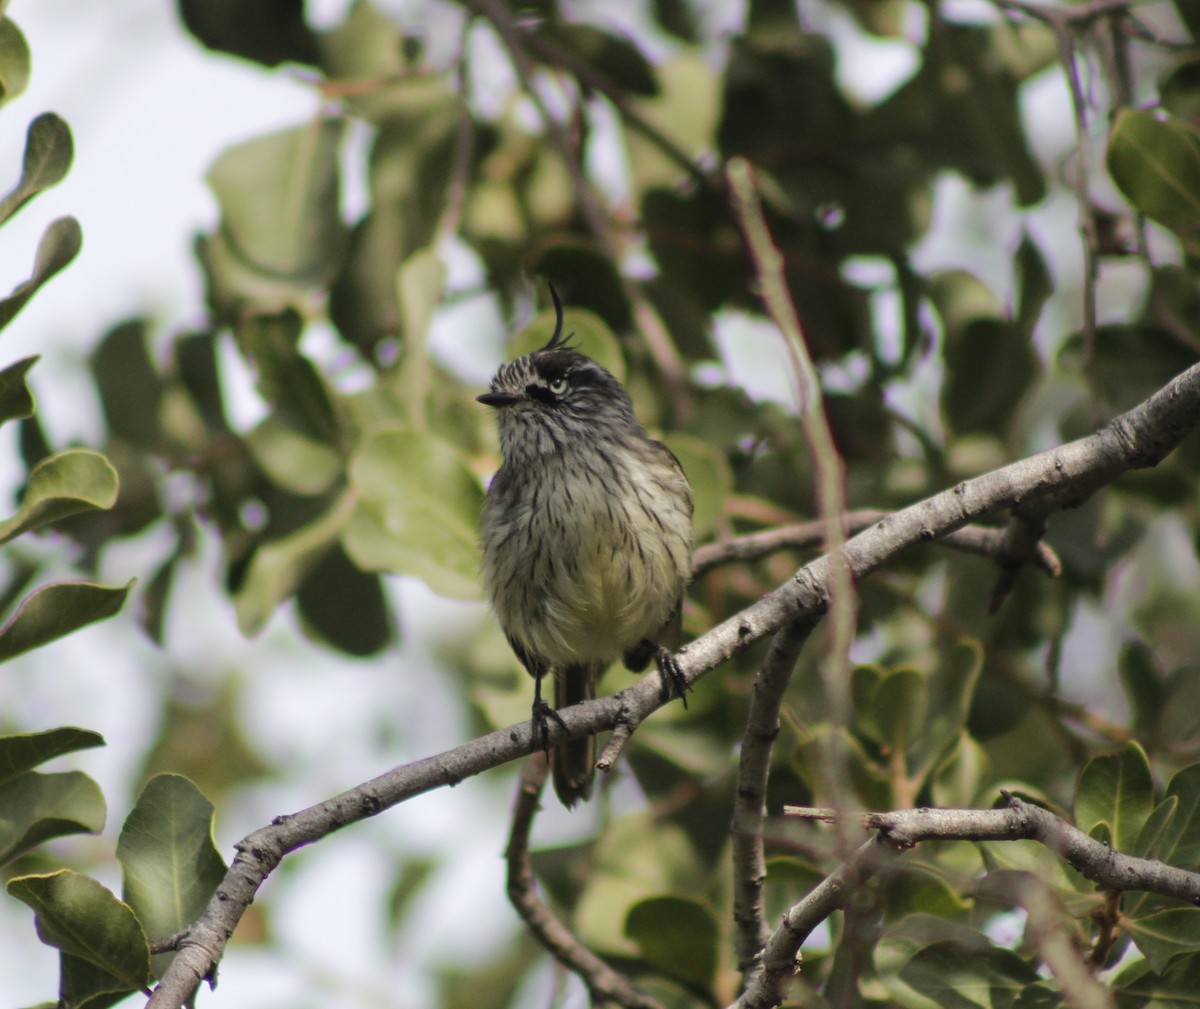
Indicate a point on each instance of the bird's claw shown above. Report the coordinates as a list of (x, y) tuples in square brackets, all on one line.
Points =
[(541, 715), (673, 680)]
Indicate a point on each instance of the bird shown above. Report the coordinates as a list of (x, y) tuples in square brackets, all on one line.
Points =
[(586, 535)]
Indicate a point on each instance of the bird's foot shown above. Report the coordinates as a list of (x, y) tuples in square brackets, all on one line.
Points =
[(541, 715), (673, 680)]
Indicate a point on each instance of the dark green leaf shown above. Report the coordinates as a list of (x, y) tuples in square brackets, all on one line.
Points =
[(613, 59), (1156, 163), (16, 401), (678, 936), (345, 606), (19, 754), (129, 383), (901, 705), (48, 154), (286, 378), (279, 566), (83, 985), (1180, 92), (1116, 790), (37, 807), (73, 481), (957, 978), (171, 866), (266, 31), (1129, 362), (56, 610), (14, 60), (60, 243), (1179, 842), (77, 915)]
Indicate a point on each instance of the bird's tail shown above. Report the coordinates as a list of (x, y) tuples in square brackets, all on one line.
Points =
[(573, 763)]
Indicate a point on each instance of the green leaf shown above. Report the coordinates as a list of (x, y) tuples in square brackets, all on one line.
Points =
[(16, 401), (19, 754), (678, 936), (130, 386), (901, 705), (344, 606), (60, 243), (48, 154), (83, 985), (37, 807), (418, 508), (270, 33), (77, 915), (171, 866), (710, 476), (1156, 164), (14, 60), (1173, 988), (1116, 790), (418, 291), (286, 378), (73, 481), (279, 566), (56, 610), (293, 460), (958, 978), (1179, 842), (1128, 363), (1167, 934), (279, 198)]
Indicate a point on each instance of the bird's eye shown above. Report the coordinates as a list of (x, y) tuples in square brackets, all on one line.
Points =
[(558, 386)]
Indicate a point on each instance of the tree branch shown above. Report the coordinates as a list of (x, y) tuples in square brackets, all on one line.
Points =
[(750, 796), (1140, 438), (982, 540), (603, 983), (900, 830)]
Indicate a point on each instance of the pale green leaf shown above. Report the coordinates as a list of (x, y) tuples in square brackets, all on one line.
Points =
[(56, 610), (171, 866), (14, 61), (418, 511), (1167, 934), (1116, 790), (16, 401)]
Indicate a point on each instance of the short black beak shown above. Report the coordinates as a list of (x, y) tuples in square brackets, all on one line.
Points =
[(498, 398)]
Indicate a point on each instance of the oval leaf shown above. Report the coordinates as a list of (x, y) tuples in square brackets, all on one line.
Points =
[(14, 61), (279, 198), (77, 915), (48, 154), (170, 864), (60, 243), (1156, 163), (678, 936), (38, 807), (56, 610), (73, 481), (19, 754), (1116, 790), (1166, 934)]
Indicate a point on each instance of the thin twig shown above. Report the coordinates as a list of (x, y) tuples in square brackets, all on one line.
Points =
[(750, 796), (603, 983), (828, 469), (982, 540)]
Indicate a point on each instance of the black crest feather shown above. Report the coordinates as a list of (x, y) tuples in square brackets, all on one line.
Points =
[(558, 341)]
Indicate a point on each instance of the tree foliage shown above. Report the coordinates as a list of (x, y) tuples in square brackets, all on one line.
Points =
[(688, 185)]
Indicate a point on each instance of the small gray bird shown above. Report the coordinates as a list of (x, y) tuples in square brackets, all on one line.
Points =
[(587, 537)]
